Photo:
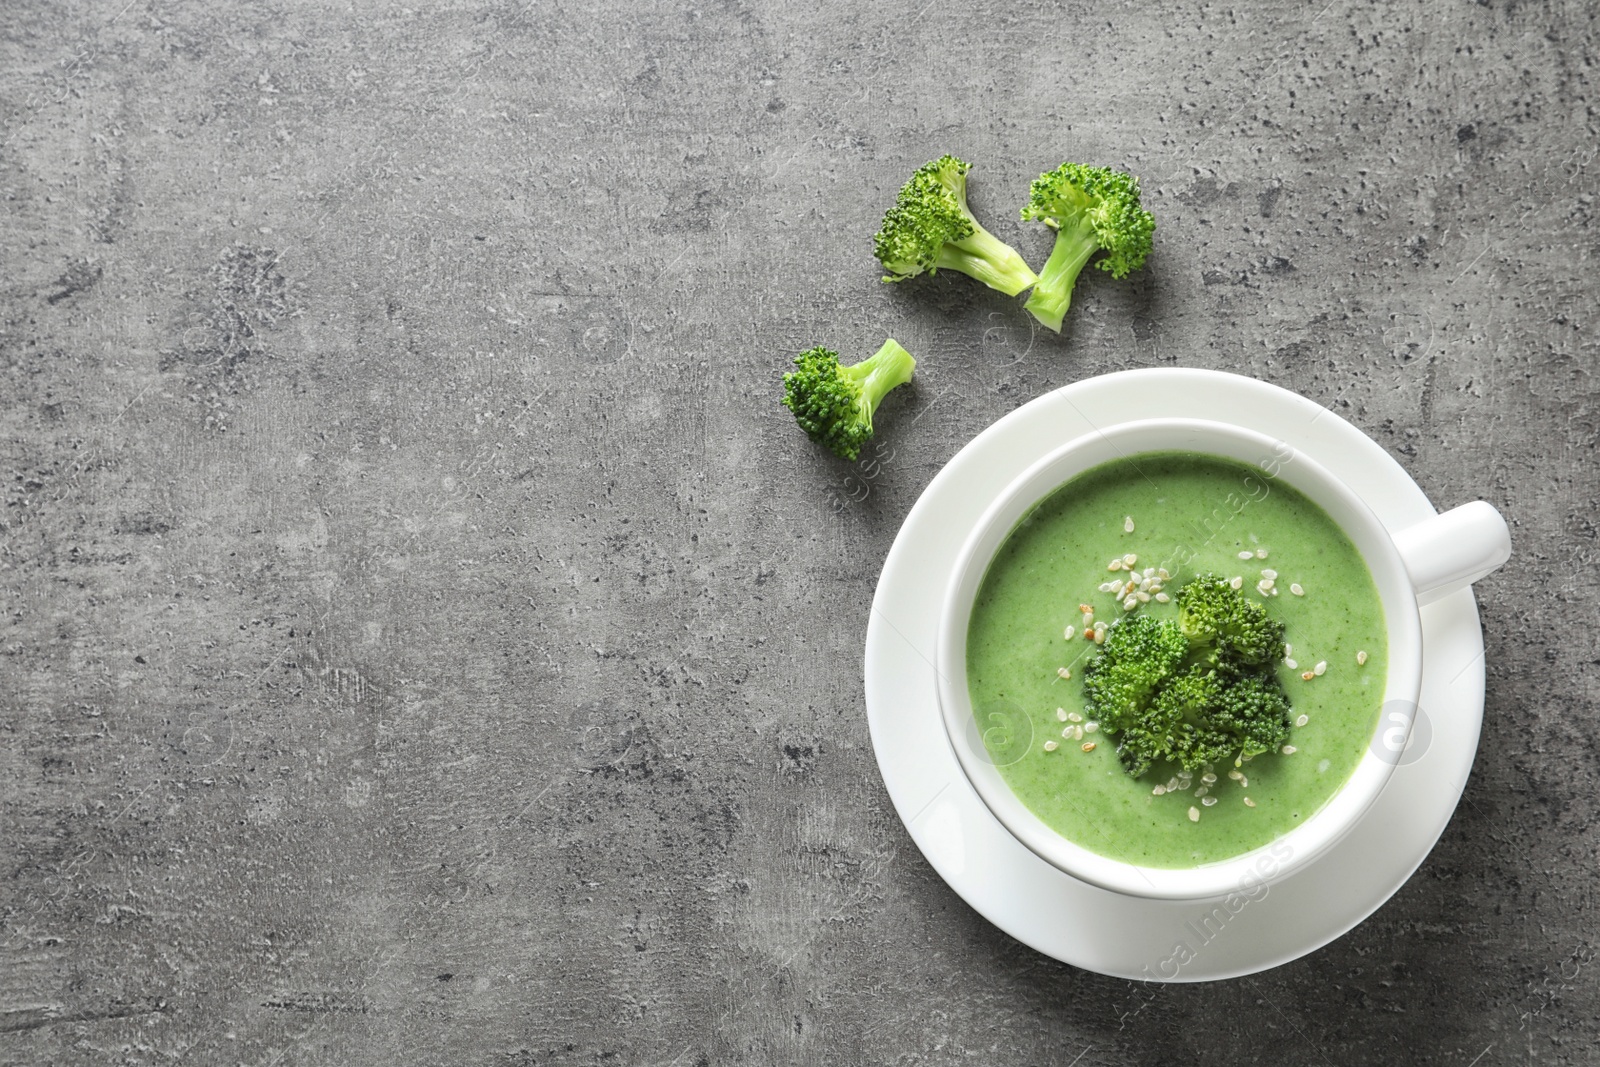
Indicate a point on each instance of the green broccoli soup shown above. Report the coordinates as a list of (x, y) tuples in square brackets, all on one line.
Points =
[(1176, 658)]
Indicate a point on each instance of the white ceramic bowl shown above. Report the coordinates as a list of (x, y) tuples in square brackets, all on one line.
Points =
[(1423, 562)]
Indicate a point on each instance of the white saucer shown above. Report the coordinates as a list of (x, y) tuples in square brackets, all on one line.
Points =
[(1081, 924)]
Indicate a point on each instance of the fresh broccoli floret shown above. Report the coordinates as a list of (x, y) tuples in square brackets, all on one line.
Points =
[(1214, 615), (834, 403), (1194, 693), (1254, 711), (1139, 654), (930, 229), (1180, 726), (1092, 209), (1139, 750), (1164, 730)]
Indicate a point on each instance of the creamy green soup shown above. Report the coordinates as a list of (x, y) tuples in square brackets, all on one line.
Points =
[(1189, 514)]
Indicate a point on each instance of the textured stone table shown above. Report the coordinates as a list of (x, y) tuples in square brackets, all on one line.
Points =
[(427, 641)]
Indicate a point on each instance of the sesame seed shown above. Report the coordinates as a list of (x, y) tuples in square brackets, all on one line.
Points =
[(1088, 746), (1106, 587), (1201, 791), (1050, 746), (1086, 609), (1291, 664), (1361, 659), (1073, 716), (1099, 636), (1066, 732), (1142, 596), (1129, 560), (1235, 774), (1288, 750), (1264, 586), (1159, 790), (1090, 727), (1208, 801), (1261, 553), (1320, 668), (1238, 582), (1306, 676), (1302, 720), (1208, 778), (1161, 572), (1172, 785), (1194, 814), (1288, 650), (1127, 524), (1268, 572), (1130, 603), (1296, 589), (1149, 572), (1061, 714), (1068, 632), (1249, 803), (1114, 565), (1062, 672), (1246, 554), (1162, 598)]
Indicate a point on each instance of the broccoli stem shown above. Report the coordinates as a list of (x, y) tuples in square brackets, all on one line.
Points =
[(984, 256), (886, 368), (1052, 297)]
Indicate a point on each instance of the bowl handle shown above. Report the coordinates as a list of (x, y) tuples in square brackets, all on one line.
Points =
[(1453, 550)]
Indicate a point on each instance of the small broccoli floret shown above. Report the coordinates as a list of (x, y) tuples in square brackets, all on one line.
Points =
[(1164, 730), (930, 229), (1139, 750), (1215, 616), (834, 403), (1092, 209), (1139, 654), (1226, 718), (1254, 711)]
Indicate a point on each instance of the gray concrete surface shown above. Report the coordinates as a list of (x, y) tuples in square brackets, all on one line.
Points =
[(427, 641)]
